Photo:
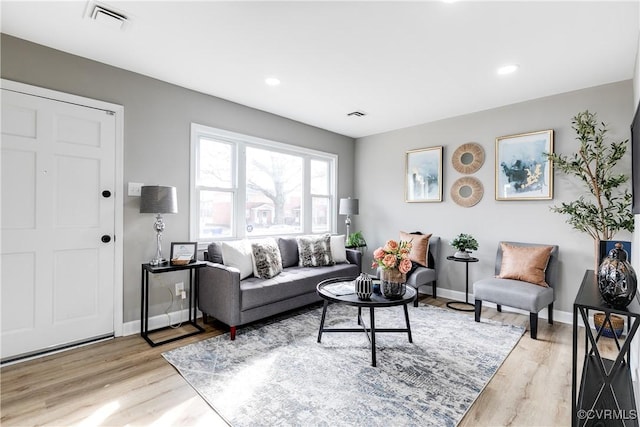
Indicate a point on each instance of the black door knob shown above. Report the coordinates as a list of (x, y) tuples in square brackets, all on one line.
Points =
[(106, 238), (106, 194)]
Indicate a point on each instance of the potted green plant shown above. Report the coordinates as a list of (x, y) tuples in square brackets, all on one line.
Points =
[(464, 243), (355, 240), (607, 207)]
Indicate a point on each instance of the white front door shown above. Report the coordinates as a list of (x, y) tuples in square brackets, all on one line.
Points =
[(58, 223)]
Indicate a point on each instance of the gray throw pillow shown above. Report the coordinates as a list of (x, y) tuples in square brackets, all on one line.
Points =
[(288, 251), (267, 262), (314, 251), (214, 253)]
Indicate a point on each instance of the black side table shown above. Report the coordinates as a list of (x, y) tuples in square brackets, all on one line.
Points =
[(467, 306), (193, 298), (603, 395)]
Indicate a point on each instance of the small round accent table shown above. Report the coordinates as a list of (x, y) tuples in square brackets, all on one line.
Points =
[(467, 306)]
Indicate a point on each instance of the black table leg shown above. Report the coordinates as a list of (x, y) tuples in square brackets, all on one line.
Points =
[(373, 337), (406, 318), (324, 313)]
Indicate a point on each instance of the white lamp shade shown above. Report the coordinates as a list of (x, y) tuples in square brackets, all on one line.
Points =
[(348, 206), (157, 199)]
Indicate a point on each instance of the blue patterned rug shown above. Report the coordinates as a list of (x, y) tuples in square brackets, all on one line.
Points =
[(278, 374)]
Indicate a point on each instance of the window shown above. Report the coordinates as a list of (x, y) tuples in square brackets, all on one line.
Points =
[(243, 186)]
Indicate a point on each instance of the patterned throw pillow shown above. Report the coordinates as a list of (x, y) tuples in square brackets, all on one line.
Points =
[(314, 251), (267, 262)]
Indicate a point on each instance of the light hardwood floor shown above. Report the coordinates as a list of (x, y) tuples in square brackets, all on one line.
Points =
[(126, 382)]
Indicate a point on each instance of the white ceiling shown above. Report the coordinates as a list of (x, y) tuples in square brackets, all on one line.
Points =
[(402, 63)]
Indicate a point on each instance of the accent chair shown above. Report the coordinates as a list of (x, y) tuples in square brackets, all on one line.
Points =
[(526, 276)]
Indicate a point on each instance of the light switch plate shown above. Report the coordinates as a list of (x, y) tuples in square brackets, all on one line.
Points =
[(135, 188)]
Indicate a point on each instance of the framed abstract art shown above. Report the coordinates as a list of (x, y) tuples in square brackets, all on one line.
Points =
[(523, 171), (423, 175)]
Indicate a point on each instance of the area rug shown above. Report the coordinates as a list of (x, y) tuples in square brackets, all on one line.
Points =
[(277, 374)]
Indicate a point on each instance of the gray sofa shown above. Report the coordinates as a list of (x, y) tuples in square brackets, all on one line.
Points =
[(236, 302)]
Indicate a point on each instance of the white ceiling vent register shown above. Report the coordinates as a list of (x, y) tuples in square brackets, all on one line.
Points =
[(106, 16)]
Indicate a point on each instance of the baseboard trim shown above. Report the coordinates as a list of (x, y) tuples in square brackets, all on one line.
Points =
[(159, 321)]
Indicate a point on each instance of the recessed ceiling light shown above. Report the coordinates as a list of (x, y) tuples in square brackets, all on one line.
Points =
[(508, 69), (272, 81)]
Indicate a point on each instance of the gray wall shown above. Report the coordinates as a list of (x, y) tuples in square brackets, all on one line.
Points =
[(156, 140), (380, 168)]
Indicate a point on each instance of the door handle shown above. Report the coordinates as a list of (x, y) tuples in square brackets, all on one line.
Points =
[(105, 238)]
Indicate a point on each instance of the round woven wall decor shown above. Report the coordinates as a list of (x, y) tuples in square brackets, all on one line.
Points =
[(467, 191), (468, 158)]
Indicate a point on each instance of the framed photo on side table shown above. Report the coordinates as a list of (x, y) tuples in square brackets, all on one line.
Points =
[(523, 171), (183, 252), (423, 175)]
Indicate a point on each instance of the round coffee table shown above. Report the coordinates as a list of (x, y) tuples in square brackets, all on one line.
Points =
[(335, 291)]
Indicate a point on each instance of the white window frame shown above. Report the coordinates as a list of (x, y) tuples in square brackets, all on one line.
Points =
[(241, 142)]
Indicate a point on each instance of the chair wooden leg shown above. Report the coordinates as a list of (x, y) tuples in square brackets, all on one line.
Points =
[(533, 325), (550, 317), (415, 301), (499, 307), (478, 309), (232, 333)]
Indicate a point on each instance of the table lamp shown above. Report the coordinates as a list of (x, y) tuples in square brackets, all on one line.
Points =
[(158, 200), (348, 207)]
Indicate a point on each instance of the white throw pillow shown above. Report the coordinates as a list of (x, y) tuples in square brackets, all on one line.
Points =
[(237, 254), (338, 251)]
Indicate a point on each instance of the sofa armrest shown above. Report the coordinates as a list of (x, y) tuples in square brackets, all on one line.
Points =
[(219, 292), (354, 256)]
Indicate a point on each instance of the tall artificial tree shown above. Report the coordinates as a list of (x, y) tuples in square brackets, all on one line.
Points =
[(607, 207)]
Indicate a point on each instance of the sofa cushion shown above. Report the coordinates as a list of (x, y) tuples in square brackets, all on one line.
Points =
[(526, 263), (266, 258), (237, 254), (338, 251), (419, 246), (288, 251), (292, 282), (314, 251)]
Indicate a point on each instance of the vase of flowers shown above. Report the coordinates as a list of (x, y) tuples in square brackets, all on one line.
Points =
[(464, 243), (394, 261)]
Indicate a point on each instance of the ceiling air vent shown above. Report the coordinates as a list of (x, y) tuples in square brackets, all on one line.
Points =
[(108, 17), (356, 114)]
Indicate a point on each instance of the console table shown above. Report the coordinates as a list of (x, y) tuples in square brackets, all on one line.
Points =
[(604, 394), (144, 304)]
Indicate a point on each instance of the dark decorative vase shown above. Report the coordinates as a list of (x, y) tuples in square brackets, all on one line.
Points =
[(393, 284), (364, 286), (617, 280)]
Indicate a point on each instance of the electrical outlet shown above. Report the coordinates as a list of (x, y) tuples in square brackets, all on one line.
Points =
[(184, 295), (179, 288), (135, 189)]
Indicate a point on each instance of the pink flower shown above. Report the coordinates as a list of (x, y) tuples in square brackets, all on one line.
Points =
[(378, 254), (391, 246), (389, 261), (374, 264), (405, 266)]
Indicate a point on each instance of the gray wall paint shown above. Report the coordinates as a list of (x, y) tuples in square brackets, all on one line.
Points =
[(156, 141), (380, 168)]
